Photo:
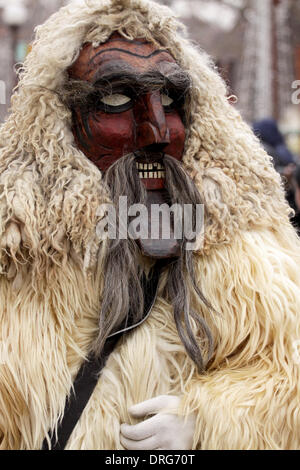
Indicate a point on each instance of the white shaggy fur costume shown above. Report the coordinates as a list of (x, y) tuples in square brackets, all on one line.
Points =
[(51, 262)]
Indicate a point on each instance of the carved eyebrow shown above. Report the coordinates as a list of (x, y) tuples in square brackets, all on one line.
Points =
[(81, 93), (159, 51), (166, 74)]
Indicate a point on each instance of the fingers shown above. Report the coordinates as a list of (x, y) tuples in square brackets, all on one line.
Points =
[(150, 443), (142, 436), (164, 430), (142, 430), (152, 406)]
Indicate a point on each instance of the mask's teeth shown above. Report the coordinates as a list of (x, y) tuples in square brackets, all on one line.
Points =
[(150, 170)]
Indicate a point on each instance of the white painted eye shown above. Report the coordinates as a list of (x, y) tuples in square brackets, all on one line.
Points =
[(166, 100), (115, 99)]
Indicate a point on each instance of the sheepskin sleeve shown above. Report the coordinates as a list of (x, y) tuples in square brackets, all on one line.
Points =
[(249, 397)]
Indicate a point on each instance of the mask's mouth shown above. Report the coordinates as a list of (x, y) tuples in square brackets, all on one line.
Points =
[(152, 174), (154, 170), (151, 171)]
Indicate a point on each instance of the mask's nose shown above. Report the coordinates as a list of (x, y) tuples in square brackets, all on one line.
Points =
[(151, 121)]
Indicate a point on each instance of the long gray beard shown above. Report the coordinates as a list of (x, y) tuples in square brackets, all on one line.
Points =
[(122, 297)]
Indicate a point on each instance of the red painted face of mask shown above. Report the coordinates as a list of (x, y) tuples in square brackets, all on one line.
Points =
[(137, 108)]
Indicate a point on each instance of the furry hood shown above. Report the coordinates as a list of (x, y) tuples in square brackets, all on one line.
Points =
[(50, 192)]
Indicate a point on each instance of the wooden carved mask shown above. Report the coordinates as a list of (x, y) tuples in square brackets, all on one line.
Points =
[(136, 107)]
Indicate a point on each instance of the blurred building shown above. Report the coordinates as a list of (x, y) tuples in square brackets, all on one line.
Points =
[(16, 33), (255, 44)]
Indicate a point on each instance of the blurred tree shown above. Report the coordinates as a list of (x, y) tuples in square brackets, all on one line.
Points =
[(267, 69)]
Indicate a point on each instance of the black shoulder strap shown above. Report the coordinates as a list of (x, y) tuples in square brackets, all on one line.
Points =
[(88, 375)]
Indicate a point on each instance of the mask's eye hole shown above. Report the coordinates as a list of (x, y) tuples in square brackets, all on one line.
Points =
[(166, 100), (113, 103), (115, 99)]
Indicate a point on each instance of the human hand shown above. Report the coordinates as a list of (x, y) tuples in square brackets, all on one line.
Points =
[(163, 430)]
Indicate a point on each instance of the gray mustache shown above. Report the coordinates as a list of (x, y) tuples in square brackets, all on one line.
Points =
[(122, 267)]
